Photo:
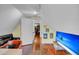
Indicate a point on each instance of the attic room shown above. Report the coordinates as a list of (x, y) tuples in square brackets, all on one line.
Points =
[(39, 29)]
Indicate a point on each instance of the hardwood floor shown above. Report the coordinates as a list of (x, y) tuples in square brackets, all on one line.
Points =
[(46, 49)]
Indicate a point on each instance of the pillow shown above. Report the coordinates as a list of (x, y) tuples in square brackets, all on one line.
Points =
[(7, 36), (4, 37)]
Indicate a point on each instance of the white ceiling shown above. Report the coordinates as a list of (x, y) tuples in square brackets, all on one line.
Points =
[(10, 15), (9, 18), (28, 9)]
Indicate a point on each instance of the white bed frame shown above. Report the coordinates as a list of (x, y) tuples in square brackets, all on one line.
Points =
[(67, 48)]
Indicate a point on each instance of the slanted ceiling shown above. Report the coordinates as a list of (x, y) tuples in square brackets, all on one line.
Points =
[(28, 10), (9, 18), (10, 15)]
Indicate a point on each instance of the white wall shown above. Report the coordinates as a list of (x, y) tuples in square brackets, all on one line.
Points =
[(17, 30), (43, 30), (9, 18), (26, 31), (61, 17)]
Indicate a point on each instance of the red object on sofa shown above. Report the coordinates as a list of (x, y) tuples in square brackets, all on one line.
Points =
[(17, 43)]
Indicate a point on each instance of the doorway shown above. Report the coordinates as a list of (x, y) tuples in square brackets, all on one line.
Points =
[(37, 39)]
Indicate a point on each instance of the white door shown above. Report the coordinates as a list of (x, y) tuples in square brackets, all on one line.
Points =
[(26, 31)]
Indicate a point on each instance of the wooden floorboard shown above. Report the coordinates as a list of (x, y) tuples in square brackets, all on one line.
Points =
[(46, 49)]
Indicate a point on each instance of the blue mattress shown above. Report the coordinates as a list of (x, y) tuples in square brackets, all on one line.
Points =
[(71, 41)]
